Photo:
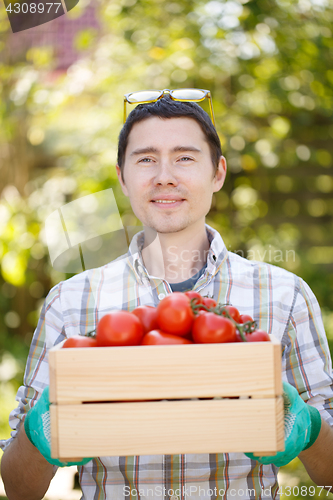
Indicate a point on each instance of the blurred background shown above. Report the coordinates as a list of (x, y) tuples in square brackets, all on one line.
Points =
[(269, 67)]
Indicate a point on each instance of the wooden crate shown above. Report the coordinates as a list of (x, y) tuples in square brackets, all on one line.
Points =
[(93, 413)]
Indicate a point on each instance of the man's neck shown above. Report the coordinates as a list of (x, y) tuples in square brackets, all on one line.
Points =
[(175, 257)]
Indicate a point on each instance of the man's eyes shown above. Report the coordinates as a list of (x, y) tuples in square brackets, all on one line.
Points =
[(144, 160), (148, 160)]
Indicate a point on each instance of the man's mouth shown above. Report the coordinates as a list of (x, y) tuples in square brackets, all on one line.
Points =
[(166, 201)]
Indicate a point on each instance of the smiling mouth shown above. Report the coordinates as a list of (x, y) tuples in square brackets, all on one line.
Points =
[(166, 201)]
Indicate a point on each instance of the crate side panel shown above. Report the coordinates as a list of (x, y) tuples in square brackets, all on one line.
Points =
[(277, 354), (161, 372), (53, 376), (279, 412), (167, 427), (54, 419)]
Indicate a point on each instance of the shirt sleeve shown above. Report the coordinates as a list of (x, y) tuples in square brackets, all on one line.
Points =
[(306, 358), (49, 332)]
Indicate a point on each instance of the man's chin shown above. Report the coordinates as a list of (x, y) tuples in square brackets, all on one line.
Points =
[(167, 228)]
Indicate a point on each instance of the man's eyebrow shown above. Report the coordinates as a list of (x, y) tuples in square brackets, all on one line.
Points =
[(151, 149), (140, 151), (186, 148)]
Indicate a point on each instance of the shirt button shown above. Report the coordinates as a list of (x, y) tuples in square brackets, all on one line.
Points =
[(174, 497), (161, 296)]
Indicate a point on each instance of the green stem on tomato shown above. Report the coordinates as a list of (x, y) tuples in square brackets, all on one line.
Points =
[(91, 334), (220, 309), (196, 306), (239, 326), (241, 333)]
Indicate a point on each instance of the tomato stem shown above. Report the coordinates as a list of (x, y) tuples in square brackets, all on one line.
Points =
[(91, 334), (220, 309), (196, 306)]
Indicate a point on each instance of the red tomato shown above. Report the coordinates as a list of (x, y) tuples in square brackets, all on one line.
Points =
[(209, 302), (238, 337), (188, 336), (210, 328), (194, 295), (243, 318), (258, 336), (119, 328), (80, 341), (148, 317), (234, 313), (157, 337), (174, 314)]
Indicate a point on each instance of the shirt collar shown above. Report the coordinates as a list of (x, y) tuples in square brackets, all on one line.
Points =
[(216, 255), (218, 251)]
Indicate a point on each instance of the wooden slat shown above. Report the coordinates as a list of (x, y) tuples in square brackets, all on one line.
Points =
[(213, 426), (53, 397), (161, 372), (277, 353), (54, 430)]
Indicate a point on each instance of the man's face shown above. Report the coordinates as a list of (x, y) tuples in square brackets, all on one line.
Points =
[(169, 160)]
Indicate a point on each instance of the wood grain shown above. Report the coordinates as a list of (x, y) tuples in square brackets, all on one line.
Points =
[(98, 377), (170, 427), (161, 372)]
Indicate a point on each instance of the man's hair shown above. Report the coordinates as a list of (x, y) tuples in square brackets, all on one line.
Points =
[(167, 108)]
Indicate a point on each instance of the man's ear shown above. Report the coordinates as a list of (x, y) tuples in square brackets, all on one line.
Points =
[(122, 183), (220, 174)]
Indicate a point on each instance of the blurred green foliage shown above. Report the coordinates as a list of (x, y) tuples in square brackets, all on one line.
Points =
[(268, 64)]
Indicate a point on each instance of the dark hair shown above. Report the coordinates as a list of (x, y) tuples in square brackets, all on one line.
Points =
[(167, 108)]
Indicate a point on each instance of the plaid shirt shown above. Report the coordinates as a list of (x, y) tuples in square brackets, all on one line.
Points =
[(279, 301)]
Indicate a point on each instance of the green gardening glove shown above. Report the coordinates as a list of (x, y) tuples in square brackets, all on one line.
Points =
[(38, 429), (302, 423)]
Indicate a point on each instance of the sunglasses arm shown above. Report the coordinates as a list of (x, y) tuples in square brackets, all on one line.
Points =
[(211, 108)]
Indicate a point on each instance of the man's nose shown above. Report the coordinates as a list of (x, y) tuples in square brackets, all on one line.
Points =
[(165, 173)]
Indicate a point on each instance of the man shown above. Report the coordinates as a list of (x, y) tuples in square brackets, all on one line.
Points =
[(169, 165)]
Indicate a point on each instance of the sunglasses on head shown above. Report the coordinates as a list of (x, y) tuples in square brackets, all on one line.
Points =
[(181, 95)]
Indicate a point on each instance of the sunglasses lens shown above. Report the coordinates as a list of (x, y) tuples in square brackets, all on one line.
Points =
[(144, 96), (189, 94)]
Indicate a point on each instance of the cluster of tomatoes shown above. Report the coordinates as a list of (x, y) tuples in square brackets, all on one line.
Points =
[(180, 318)]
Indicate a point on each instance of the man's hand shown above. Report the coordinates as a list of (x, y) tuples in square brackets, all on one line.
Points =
[(302, 424), (38, 429)]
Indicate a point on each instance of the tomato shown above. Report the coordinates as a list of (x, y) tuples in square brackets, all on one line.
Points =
[(158, 337), (174, 314), (243, 318), (210, 328), (195, 295), (238, 337), (258, 336), (80, 341), (188, 336), (148, 317), (119, 328), (209, 302), (233, 312)]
